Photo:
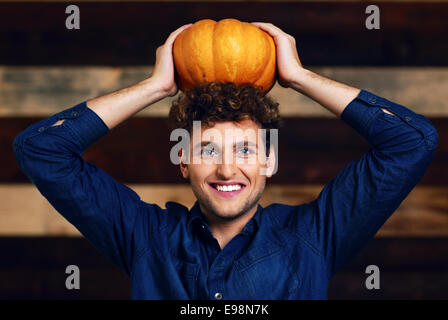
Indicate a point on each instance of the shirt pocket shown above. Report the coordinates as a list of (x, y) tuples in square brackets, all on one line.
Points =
[(267, 273)]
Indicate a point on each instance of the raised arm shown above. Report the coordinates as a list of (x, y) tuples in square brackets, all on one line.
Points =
[(118, 106), (355, 204), (332, 95), (50, 154)]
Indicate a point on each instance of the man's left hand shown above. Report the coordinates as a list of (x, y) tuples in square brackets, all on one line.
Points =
[(288, 62)]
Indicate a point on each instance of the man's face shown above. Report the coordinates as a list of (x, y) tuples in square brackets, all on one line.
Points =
[(228, 182)]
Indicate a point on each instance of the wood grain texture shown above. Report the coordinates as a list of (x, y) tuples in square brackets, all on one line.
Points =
[(117, 33), (24, 211), (44, 90)]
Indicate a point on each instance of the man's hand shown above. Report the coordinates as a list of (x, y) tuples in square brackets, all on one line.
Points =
[(163, 73), (330, 94), (288, 61)]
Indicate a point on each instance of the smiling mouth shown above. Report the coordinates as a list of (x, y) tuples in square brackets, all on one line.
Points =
[(227, 190)]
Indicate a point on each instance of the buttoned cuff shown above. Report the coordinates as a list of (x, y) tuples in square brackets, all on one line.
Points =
[(84, 123), (361, 112)]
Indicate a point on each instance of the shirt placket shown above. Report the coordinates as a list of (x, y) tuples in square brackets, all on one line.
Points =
[(221, 266)]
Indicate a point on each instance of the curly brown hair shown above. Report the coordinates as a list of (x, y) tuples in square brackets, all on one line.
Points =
[(212, 102)]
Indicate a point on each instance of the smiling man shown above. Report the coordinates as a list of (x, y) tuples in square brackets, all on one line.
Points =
[(227, 246), (232, 154)]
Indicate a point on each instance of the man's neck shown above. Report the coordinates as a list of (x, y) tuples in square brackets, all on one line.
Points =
[(225, 230)]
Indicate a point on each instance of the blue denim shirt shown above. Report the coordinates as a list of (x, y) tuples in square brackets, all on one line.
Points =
[(284, 251)]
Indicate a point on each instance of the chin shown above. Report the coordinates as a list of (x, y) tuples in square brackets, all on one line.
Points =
[(228, 214), (223, 208), (226, 209)]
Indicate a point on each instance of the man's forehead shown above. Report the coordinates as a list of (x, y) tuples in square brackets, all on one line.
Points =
[(246, 130), (222, 125)]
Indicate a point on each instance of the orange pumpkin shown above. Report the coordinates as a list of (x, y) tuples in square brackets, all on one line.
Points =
[(227, 51)]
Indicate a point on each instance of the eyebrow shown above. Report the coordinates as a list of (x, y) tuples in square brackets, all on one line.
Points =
[(248, 143), (202, 144), (205, 143)]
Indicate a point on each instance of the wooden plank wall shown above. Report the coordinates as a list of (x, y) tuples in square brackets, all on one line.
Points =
[(45, 68), (44, 90), (334, 33)]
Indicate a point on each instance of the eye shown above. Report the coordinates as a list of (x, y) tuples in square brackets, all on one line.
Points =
[(208, 151), (245, 151)]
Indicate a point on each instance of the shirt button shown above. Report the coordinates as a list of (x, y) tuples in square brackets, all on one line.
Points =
[(372, 101), (218, 295), (202, 226), (74, 113), (41, 129), (407, 118)]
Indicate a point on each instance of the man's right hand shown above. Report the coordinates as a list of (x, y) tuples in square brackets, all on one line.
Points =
[(163, 74)]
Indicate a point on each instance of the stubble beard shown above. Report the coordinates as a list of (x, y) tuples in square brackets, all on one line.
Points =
[(211, 209)]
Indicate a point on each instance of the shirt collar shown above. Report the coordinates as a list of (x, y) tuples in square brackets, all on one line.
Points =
[(196, 217)]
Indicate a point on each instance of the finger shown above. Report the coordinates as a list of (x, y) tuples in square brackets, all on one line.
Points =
[(272, 29), (176, 32), (277, 34)]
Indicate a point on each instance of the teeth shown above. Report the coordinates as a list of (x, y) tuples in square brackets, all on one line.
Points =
[(228, 188)]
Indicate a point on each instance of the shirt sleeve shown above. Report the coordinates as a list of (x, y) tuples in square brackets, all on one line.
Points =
[(102, 209), (353, 206)]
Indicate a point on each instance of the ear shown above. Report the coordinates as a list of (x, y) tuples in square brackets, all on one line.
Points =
[(271, 163), (182, 165)]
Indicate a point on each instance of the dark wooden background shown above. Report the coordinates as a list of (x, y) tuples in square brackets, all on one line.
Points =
[(412, 34), (329, 33)]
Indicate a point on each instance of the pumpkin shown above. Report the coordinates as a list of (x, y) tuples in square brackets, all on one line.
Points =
[(226, 51)]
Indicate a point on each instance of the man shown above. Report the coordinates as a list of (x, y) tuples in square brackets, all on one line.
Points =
[(227, 246)]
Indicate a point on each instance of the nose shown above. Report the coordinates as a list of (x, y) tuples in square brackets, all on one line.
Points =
[(225, 171)]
